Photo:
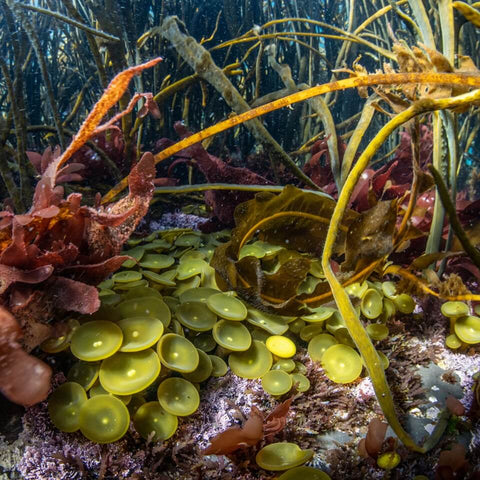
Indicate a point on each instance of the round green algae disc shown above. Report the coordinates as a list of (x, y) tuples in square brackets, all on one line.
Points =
[(297, 325), (150, 418), (128, 286), (252, 363), (300, 368), (342, 364), (453, 342), (178, 396), (129, 372), (188, 240), (301, 382), (200, 294), (273, 324), (126, 276), (139, 333), (343, 336), (454, 309), (377, 331), (372, 303), (84, 373), (388, 460), (104, 419), (106, 284), (56, 344), (205, 342), (319, 344), (277, 382), (219, 367), (467, 329), (64, 406), (389, 289), (203, 370), (304, 473), (97, 389), (285, 364), (165, 278), (61, 342), (404, 303), (156, 261), (177, 353), (310, 330), (281, 346), (259, 334), (319, 314), (196, 316), (282, 456), (151, 306), (96, 340), (232, 335), (184, 285), (227, 306), (189, 267), (192, 255), (357, 289), (136, 253)]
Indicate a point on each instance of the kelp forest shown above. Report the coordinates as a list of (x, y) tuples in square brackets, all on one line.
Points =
[(239, 239)]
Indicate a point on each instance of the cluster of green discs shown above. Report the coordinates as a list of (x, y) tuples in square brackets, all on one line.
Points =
[(464, 328), (329, 341), (164, 328)]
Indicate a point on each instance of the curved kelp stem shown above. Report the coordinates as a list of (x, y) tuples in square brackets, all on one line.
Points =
[(352, 321), (359, 81)]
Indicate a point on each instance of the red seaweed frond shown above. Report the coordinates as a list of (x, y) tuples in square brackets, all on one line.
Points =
[(89, 127), (59, 238), (252, 432)]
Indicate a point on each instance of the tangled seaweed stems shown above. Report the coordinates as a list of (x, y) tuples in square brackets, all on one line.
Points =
[(355, 327), (358, 81)]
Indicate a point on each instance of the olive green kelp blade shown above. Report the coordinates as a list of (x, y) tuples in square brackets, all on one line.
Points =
[(295, 220)]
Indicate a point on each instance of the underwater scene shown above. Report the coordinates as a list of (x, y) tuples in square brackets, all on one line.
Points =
[(239, 239)]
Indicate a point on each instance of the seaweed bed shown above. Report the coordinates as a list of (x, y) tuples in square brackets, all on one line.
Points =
[(299, 210), (330, 418)]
